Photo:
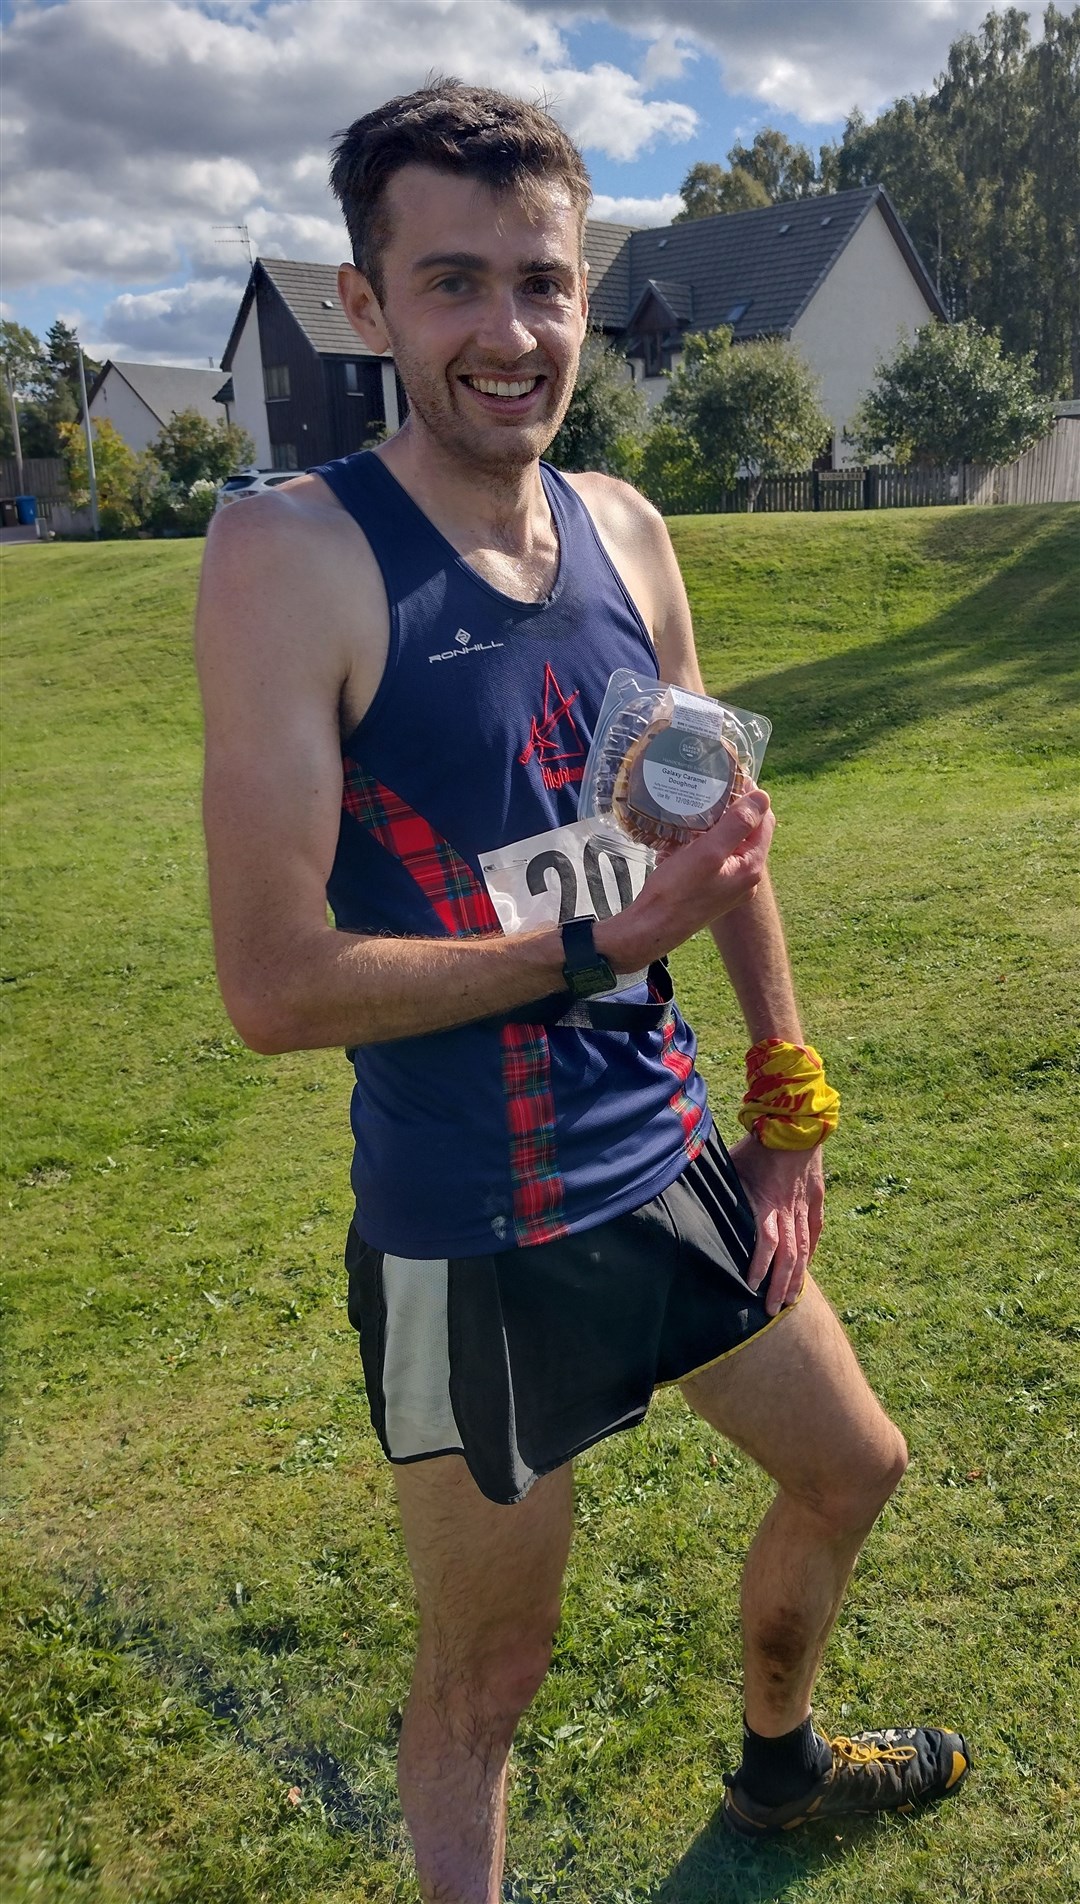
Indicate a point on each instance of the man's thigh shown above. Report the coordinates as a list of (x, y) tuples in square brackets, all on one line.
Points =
[(484, 1574), (796, 1401)]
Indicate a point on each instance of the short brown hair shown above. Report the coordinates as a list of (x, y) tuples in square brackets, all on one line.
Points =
[(472, 130)]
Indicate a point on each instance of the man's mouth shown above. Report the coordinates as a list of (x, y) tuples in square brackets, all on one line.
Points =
[(506, 388)]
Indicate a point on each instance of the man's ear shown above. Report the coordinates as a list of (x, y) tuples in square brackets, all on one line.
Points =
[(585, 289), (362, 308)]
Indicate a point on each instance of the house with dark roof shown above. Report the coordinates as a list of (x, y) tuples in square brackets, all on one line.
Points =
[(305, 388), (836, 276), (139, 398)]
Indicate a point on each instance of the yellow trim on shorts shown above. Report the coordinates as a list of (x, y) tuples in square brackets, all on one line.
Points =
[(787, 1310)]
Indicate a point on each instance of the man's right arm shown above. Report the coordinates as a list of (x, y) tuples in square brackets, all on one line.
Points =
[(275, 641)]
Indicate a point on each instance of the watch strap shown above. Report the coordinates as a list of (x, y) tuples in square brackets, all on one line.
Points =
[(585, 970)]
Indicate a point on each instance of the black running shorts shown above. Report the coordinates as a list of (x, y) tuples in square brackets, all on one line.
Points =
[(520, 1360)]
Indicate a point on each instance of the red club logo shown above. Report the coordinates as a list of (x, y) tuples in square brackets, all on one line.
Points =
[(554, 738)]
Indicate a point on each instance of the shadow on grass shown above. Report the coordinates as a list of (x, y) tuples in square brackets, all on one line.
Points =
[(1022, 623), (241, 1713), (720, 1865)]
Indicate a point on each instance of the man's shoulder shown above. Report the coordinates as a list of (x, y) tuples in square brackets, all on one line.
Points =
[(299, 512), (295, 540), (616, 506)]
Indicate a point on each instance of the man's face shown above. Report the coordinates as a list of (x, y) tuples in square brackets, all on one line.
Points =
[(484, 309)]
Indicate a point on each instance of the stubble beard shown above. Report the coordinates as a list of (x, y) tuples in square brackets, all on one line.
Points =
[(492, 453)]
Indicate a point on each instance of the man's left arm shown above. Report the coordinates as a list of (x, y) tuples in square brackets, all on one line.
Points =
[(786, 1189)]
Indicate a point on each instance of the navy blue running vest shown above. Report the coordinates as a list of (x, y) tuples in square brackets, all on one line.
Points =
[(494, 1134)]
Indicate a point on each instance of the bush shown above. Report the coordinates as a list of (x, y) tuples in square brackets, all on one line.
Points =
[(746, 407), (673, 473), (952, 396), (603, 425), (116, 470)]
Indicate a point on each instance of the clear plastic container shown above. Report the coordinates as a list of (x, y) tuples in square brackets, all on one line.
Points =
[(664, 762)]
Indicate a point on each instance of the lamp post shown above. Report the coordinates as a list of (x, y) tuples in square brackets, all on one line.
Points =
[(95, 522)]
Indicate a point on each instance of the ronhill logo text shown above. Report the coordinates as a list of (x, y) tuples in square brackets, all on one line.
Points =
[(466, 646)]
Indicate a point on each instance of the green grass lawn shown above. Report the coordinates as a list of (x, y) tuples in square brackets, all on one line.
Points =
[(208, 1625)]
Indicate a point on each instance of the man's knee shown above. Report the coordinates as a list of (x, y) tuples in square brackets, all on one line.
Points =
[(853, 1494), (492, 1684)]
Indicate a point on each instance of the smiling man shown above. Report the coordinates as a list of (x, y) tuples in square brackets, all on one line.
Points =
[(403, 657)]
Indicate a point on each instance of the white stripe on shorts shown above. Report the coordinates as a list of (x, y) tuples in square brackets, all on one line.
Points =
[(416, 1364)]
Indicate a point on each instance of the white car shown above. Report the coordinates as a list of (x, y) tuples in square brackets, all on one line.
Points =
[(252, 482)]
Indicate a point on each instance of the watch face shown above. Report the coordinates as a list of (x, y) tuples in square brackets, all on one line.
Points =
[(592, 978), (586, 971)]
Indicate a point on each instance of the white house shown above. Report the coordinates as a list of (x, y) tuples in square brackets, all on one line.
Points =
[(837, 276), (139, 398)]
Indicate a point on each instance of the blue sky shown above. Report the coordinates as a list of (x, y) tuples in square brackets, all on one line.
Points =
[(137, 126)]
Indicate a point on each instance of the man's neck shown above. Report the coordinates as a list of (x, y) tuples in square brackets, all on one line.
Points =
[(502, 506)]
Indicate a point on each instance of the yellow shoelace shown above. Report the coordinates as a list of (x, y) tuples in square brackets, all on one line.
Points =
[(857, 1753)]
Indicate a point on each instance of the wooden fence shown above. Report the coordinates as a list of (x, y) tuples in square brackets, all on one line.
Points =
[(876, 487), (45, 478), (1048, 473)]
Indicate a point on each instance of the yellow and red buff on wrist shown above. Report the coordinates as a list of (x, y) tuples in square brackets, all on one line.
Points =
[(788, 1104)]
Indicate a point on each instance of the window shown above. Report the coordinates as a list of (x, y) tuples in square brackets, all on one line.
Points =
[(283, 455), (737, 311), (276, 381), (352, 381), (653, 355)]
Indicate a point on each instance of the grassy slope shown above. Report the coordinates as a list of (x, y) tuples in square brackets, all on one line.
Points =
[(210, 1606)]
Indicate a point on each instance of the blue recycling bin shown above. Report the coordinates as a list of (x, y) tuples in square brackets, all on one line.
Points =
[(26, 511)]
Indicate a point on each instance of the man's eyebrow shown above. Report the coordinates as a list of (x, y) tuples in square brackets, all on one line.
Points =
[(472, 261)]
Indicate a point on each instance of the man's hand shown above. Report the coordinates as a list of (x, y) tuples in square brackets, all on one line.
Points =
[(693, 885), (786, 1191)]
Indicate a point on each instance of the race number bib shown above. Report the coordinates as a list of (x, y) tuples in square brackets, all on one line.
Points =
[(573, 872)]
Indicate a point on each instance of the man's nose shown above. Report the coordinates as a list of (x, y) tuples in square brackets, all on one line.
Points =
[(503, 329)]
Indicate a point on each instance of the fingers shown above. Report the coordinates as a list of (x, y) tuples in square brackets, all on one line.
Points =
[(785, 1278), (783, 1251), (768, 1237)]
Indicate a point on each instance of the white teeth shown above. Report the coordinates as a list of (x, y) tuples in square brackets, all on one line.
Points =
[(491, 388)]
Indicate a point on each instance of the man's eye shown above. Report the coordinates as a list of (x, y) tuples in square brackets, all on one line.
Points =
[(544, 287), (454, 283)]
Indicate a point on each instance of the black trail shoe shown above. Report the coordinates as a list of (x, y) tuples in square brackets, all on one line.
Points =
[(894, 1770)]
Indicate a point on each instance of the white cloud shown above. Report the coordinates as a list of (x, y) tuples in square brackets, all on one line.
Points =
[(604, 109), (177, 323), (667, 58), (637, 211), (813, 58)]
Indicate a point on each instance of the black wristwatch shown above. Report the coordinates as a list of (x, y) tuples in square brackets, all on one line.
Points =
[(585, 970)]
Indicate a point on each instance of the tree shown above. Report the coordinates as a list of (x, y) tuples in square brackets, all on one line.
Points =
[(984, 172), (190, 449), (783, 170), (62, 351), (605, 419), (46, 387), (753, 407), (952, 396), (707, 189), (22, 366), (115, 471)]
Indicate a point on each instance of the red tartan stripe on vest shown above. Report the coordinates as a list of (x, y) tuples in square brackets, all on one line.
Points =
[(445, 879), (688, 1113), (530, 1121)]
